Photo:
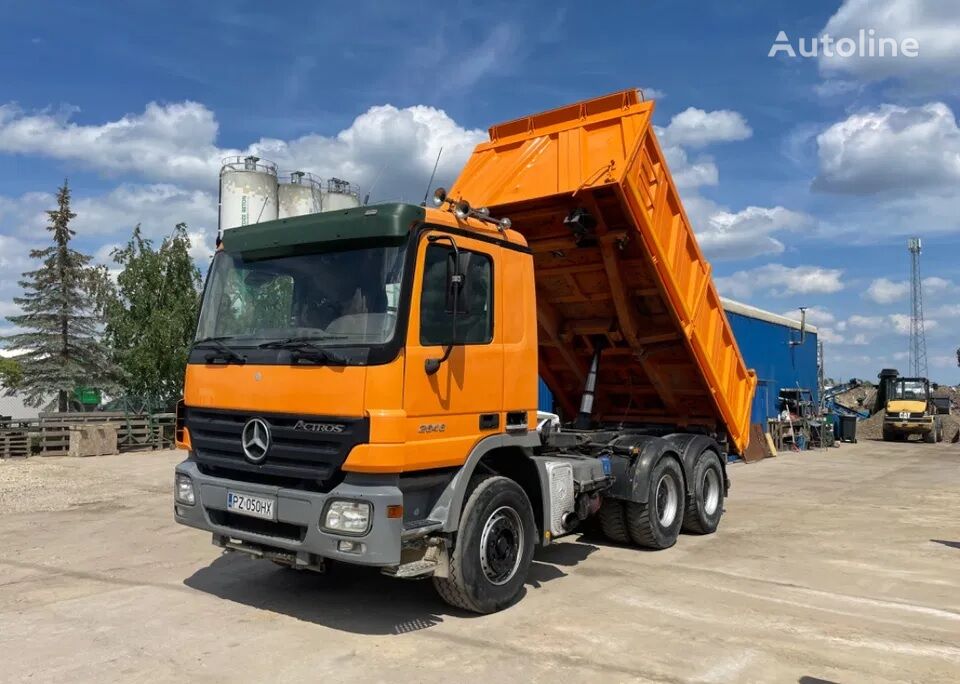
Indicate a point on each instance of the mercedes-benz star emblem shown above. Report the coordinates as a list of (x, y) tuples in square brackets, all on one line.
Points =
[(255, 440)]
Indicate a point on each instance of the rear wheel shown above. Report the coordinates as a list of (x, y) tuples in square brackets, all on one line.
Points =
[(705, 506), (930, 437), (656, 523), (493, 549)]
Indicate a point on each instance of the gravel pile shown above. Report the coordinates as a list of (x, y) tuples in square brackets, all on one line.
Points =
[(872, 427)]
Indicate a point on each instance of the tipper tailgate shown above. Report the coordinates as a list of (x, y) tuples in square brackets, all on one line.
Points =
[(617, 266)]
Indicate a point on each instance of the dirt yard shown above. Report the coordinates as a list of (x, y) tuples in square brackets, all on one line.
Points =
[(839, 565)]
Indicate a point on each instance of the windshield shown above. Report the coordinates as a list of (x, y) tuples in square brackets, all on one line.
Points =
[(338, 297), (915, 390)]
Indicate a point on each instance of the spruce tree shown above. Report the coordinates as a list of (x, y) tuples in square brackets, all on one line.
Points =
[(59, 318)]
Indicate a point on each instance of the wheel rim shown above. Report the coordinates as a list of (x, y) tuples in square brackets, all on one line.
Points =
[(711, 492), (666, 499), (501, 545)]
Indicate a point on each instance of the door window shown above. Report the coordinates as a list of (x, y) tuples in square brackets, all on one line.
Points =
[(475, 307)]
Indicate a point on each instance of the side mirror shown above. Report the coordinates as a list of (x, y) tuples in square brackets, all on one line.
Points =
[(456, 284)]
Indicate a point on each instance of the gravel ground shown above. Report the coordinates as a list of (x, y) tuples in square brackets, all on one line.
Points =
[(49, 484), (832, 565)]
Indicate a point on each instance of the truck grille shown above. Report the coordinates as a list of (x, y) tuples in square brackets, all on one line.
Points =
[(296, 457)]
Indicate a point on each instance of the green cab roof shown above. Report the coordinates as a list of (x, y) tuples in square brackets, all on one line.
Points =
[(285, 236)]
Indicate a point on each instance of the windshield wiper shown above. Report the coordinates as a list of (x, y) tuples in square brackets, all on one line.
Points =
[(295, 342), (223, 353), (304, 350)]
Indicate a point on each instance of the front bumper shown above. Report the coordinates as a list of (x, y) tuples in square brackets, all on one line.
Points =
[(298, 517), (911, 425)]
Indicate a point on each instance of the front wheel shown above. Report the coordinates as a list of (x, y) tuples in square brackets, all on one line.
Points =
[(493, 549)]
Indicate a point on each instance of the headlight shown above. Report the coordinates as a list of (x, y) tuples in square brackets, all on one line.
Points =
[(347, 517), (183, 490)]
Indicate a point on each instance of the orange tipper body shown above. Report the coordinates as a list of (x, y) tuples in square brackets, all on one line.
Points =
[(363, 386), (632, 275)]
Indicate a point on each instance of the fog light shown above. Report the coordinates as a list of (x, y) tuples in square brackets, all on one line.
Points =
[(183, 490), (348, 517), (348, 546)]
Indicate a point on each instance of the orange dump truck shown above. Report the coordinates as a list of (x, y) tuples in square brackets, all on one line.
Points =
[(363, 385)]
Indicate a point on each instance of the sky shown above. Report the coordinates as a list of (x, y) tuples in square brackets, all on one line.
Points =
[(802, 175)]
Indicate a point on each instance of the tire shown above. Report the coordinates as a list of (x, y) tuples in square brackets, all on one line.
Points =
[(939, 432), (493, 548), (931, 436), (656, 524), (887, 435), (705, 506), (613, 521)]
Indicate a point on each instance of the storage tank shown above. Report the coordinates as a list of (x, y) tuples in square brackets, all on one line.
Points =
[(248, 191), (300, 195), (340, 194)]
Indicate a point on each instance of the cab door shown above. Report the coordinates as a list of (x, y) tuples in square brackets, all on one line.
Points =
[(450, 410)]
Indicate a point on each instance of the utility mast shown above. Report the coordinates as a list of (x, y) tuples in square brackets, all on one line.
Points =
[(918, 340)]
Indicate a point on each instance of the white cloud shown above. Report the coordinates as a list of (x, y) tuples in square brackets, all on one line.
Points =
[(158, 208), (946, 311), (201, 246), (721, 232), (176, 143), (935, 26), (749, 232), (936, 285), (690, 174), (866, 322), (901, 323), (653, 93), (944, 360), (885, 291), (826, 334), (780, 281), (173, 142), (402, 143), (891, 149), (815, 315), (697, 128)]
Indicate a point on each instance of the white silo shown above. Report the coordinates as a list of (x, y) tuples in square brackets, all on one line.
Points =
[(340, 194), (299, 195), (248, 191)]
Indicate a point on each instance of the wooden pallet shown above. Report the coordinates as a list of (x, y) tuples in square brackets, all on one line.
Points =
[(134, 432), (14, 443)]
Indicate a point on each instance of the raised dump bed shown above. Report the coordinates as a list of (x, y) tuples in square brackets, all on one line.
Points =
[(617, 267)]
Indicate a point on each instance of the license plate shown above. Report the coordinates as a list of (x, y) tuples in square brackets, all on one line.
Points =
[(254, 506)]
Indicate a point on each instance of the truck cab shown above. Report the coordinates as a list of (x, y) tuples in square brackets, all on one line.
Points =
[(910, 410)]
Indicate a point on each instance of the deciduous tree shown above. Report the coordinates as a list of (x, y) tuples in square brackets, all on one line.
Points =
[(151, 315)]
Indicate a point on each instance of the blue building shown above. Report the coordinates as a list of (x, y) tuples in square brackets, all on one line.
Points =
[(773, 346)]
